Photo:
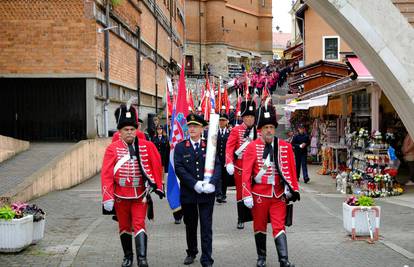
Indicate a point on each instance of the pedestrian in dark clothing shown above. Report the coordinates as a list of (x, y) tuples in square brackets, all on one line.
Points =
[(222, 136), (300, 143), (160, 140)]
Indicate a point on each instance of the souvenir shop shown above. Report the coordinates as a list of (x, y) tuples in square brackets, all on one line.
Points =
[(356, 137)]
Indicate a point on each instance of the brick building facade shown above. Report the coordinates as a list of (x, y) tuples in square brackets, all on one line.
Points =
[(60, 45), (226, 34)]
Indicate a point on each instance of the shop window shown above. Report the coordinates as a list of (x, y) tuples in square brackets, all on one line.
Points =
[(331, 48), (361, 104)]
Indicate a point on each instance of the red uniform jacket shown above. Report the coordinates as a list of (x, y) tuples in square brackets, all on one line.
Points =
[(127, 181), (270, 184), (138, 133), (235, 140)]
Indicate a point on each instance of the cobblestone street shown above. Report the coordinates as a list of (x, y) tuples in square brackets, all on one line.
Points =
[(77, 235)]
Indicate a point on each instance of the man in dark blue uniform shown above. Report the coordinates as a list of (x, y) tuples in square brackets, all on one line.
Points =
[(222, 136), (300, 143), (197, 194)]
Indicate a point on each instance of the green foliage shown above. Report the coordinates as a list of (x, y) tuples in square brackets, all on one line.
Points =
[(6, 213), (366, 201), (116, 2)]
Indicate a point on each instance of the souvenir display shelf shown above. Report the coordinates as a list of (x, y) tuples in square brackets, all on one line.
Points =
[(372, 173)]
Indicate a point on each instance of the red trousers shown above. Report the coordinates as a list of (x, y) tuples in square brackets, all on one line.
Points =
[(268, 208), (131, 215), (238, 183)]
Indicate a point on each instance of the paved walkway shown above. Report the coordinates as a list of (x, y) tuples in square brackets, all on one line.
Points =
[(14, 170), (78, 235)]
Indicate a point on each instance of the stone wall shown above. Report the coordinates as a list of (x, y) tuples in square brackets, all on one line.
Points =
[(70, 168), (10, 147)]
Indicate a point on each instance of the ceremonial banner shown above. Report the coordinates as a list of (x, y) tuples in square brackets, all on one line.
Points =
[(179, 132), (211, 146)]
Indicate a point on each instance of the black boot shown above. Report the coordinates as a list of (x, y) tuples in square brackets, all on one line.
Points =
[(126, 242), (141, 246), (240, 224), (260, 239), (282, 250)]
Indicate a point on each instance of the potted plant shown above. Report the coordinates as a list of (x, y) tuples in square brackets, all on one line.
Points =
[(361, 217), (39, 221), (16, 229)]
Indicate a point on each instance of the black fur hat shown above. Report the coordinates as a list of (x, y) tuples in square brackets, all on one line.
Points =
[(126, 117), (248, 107), (267, 115)]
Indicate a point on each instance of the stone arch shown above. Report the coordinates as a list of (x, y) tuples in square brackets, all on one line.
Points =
[(384, 40)]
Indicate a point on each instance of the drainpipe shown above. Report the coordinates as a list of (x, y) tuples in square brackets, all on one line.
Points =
[(199, 33), (156, 58), (106, 104), (139, 69), (171, 35)]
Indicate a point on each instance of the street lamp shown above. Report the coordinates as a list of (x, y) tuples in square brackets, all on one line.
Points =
[(100, 30)]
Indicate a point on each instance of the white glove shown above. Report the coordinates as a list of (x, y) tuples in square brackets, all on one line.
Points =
[(230, 168), (199, 187), (248, 202), (108, 205), (209, 188)]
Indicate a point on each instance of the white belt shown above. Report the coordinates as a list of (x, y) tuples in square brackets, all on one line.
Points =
[(241, 148), (121, 162), (263, 170)]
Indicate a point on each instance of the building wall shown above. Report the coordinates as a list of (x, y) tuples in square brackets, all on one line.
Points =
[(60, 38), (47, 39), (228, 26), (315, 29)]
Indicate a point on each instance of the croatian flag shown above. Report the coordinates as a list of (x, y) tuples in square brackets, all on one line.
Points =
[(179, 132)]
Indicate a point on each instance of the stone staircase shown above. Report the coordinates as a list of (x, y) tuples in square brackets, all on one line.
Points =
[(406, 8)]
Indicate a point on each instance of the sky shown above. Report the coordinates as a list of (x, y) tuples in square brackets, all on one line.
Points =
[(281, 16)]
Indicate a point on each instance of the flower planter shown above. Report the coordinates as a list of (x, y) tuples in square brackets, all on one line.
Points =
[(356, 222), (38, 230), (17, 234)]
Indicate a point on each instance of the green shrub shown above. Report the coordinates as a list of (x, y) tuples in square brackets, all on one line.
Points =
[(366, 201), (6, 213)]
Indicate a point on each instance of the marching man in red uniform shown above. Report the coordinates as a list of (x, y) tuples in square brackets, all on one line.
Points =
[(131, 168), (269, 181), (240, 136)]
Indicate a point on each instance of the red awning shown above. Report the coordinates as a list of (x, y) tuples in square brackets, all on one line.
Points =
[(360, 69)]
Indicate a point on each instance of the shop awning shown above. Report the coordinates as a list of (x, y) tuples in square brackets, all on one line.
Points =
[(233, 54), (360, 69), (321, 100), (254, 54), (245, 54), (316, 101)]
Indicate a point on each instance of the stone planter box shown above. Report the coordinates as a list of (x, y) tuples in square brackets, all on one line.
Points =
[(356, 222), (38, 230), (16, 234)]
